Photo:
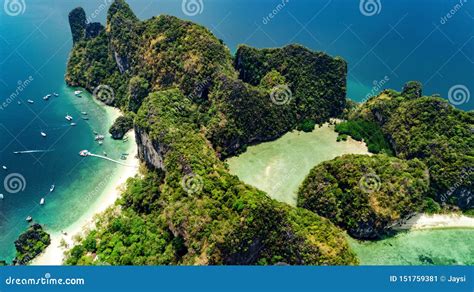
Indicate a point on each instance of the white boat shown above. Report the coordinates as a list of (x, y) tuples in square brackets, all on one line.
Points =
[(1, 196), (47, 97), (84, 153), (51, 189), (19, 102), (100, 142), (99, 137), (29, 219), (73, 124), (43, 134), (84, 113), (77, 92), (4, 167), (42, 201), (55, 94), (68, 117), (30, 101)]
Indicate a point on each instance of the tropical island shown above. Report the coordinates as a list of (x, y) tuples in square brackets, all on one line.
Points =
[(192, 105)]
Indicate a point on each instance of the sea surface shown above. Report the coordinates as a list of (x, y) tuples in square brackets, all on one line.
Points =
[(403, 40)]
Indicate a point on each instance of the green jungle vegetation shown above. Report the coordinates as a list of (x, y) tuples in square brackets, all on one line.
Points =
[(365, 195), (193, 104), (430, 129), (191, 112)]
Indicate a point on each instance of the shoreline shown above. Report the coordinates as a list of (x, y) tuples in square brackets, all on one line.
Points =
[(435, 221), (53, 255)]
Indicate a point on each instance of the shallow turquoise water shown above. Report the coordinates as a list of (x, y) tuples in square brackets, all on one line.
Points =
[(420, 247), (279, 167)]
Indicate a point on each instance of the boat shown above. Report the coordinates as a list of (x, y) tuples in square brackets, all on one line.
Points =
[(42, 201), (30, 101), (19, 102), (73, 124), (84, 153), (85, 118), (51, 189), (43, 134), (77, 92), (1, 197), (105, 153), (84, 113), (100, 142), (47, 97), (55, 94), (29, 219), (4, 167), (99, 137), (68, 117)]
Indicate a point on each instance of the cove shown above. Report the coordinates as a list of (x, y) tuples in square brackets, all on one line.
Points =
[(279, 167)]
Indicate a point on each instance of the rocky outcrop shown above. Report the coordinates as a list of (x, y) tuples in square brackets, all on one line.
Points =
[(30, 244), (77, 22), (365, 195), (149, 151)]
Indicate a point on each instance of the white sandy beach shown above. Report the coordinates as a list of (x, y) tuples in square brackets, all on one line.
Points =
[(54, 253), (425, 221)]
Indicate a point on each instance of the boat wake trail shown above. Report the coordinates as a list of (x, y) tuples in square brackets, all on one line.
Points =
[(33, 151)]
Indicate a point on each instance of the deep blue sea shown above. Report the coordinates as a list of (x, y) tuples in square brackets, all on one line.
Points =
[(385, 42)]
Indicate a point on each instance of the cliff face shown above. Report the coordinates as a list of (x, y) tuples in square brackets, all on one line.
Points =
[(152, 153)]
